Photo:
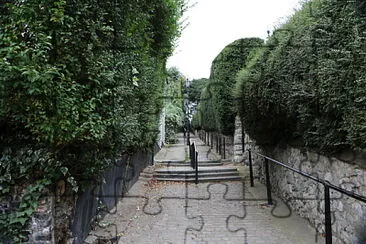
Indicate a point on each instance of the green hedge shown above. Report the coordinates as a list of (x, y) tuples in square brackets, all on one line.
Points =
[(308, 82), (218, 112), (80, 82), (173, 105)]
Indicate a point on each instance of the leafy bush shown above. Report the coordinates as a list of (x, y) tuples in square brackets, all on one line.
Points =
[(220, 110), (173, 106), (82, 80), (308, 81), (195, 89)]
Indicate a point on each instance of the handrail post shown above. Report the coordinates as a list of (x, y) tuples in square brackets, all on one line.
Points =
[(189, 134), (191, 154), (251, 169), (268, 183), (196, 161), (220, 145), (217, 144), (224, 148), (328, 216), (152, 155), (212, 141)]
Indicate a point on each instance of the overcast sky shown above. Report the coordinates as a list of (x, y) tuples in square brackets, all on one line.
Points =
[(213, 24)]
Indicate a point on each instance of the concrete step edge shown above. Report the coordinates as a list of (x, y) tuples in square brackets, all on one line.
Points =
[(200, 179), (200, 175), (200, 171), (188, 164)]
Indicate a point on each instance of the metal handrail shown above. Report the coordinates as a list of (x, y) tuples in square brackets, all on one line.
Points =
[(327, 185)]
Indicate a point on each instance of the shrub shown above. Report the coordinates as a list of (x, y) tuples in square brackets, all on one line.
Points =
[(308, 79)]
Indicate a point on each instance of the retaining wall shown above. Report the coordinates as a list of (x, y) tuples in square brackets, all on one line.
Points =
[(306, 197), (66, 217)]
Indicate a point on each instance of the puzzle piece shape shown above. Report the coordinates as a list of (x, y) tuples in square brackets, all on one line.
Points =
[(216, 212), (148, 208), (147, 228)]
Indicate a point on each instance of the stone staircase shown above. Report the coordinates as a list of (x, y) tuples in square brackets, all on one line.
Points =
[(203, 163), (172, 164), (205, 173)]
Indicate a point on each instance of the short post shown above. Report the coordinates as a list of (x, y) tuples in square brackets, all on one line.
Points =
[(191, 153), (242, 136), (328, 216), (251, 169), (196, 162), (217, 144), (188, 135), (211, 141), (268, 183), (220, 145), (224, 149), (152, 155)]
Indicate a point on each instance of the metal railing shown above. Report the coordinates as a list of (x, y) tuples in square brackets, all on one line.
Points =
[(327, 186), (214, 140), (193, 155)]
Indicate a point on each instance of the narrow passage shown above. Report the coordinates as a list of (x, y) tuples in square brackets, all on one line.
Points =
[(209, 212)]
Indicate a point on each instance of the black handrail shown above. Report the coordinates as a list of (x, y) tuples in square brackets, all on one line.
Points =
[(327, 186), (193, 154)]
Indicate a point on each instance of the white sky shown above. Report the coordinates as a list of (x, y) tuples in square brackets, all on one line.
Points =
[(213, 24)]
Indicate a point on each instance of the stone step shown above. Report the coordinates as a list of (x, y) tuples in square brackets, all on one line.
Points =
[(185, 170), (202, 179), (193, 174), (170, 161), (200, 164), (146, 175), (188, 174)]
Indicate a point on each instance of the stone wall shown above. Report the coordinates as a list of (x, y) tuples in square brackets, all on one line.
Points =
[(65, 217), (40, 228), (42, 222), (306, 197)]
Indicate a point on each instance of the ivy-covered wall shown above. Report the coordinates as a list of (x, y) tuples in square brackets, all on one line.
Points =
[(80, 83)]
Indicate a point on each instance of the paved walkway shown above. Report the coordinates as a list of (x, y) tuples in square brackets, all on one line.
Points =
[(173, 152), (224, 212)]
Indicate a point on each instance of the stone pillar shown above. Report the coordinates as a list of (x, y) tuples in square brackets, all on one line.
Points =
[(161, 137), (238, 141)]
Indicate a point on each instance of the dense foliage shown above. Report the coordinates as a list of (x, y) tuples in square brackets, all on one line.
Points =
[(80, 82), (308, 82), (195, 89), (173, 104), (216, 108)]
